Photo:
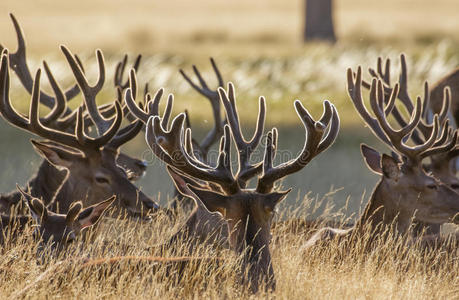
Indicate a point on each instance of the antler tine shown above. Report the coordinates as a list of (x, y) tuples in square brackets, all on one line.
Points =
[(119, 72), (18, 64), (60, 105), (213, 97), (151, 105), (333, 130), (7, 111), (245, 148), (167, 111), (312, 147), (397, 136), (36, 127), (403, 95), (446, 147), (126, 134), (355, 93), (167, 146), (33, 124), (106, 137), (90, 92)]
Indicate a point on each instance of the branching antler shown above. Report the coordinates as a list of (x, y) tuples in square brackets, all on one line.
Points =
[(396, 138), (79, 139), (315, 143), (214, 98), (18, 64), (174, 147)]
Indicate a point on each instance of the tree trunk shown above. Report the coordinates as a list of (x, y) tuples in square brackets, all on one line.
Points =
[(319, 21)]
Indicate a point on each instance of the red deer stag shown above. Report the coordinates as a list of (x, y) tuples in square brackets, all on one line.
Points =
[(53, 229), (201, 226), (405, 192), (248, 212), (48, 179), (91, 162), (442, 165)]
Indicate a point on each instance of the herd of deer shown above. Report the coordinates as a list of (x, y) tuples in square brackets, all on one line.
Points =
[(416, 194)]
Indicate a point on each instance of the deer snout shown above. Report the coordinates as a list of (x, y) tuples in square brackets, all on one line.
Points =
[(150, 204)]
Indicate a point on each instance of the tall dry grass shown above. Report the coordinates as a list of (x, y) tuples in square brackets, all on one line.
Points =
[(329, 271)]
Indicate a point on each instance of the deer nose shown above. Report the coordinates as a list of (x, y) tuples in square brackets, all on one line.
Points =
[(150, 204), (143, 164)]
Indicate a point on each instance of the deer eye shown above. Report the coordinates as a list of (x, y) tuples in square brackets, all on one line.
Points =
[(432, 186), (102, 180), (455, 186)]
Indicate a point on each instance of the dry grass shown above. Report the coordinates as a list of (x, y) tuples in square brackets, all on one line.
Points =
[(331, 271), (257, 44)]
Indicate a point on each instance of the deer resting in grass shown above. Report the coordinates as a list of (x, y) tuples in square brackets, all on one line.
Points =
[(90, 162), (442, 165), (53, 229), (48, 179), (405, 193), (248, 212)]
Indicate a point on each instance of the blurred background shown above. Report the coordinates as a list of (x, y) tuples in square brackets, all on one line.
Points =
[(261, 46)]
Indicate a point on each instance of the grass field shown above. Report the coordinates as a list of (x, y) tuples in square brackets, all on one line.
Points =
[(257, 46)]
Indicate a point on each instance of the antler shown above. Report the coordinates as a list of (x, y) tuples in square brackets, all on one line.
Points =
[(175, 148), (32, 124), (119, 72), (18, 64), (396, 138), (214, 98), (244, 148), (314, 144), (424, 126)]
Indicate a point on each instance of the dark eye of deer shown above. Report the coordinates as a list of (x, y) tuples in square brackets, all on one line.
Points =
[(102, 180), (432, 186), (455, 186)]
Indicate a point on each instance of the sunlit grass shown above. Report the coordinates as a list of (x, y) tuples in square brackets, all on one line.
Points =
[(327, 271)]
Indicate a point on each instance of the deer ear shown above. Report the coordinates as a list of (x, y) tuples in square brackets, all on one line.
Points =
[(89, 216), (36, 207), (73, 212), (182, 181), (390, 167), (214, 202), (37, 210), (372, 158), (273, 199), (56, 155)]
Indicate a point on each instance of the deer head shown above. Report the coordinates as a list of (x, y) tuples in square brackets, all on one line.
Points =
[(405, 192), (91, 162), (249, 212), (58, 104), (60, 230), (442, 164)]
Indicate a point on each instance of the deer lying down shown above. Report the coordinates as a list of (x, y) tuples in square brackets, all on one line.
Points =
[(405, 193), (56, 230), (46, 182)]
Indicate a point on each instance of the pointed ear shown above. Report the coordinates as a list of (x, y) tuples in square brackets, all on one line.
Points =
[(36, 207), (89, 216), (390, 167), (73, 212), (56, 155), (214, 202), (181, 181), (272, 199), (372, 158)]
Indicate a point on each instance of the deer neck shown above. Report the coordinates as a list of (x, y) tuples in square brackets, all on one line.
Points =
[(43, 184), (70, 190), (47, 181), (377, 212)]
